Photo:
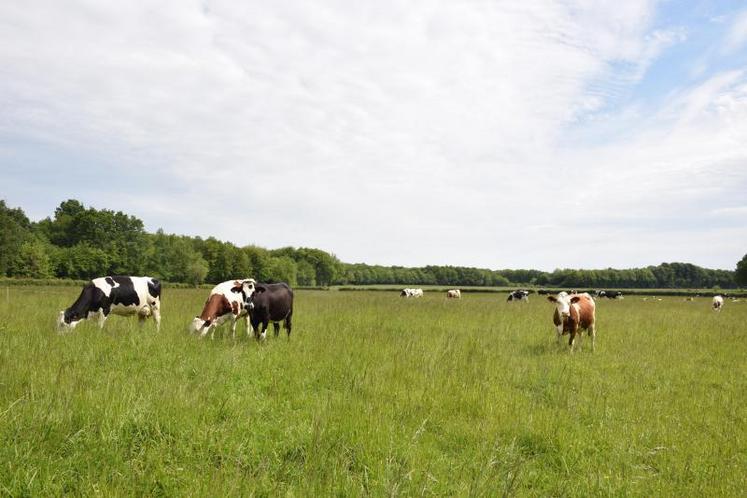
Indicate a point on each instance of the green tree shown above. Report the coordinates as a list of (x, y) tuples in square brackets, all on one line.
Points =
[(306, 273), (740, 276), (32, 260), (281, 269), (15, 230)]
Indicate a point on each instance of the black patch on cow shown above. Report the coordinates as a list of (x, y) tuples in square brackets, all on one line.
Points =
[(91, 299), (154, 287), (124, 294), (109, 280)]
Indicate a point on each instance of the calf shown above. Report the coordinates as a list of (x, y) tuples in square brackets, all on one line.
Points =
[(270, 303), (454, 294), (120, 295), (225, 303), (718, 303), (574, 312), (519, 295)]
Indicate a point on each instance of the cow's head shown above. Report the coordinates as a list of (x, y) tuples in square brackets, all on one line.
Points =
[(246, 286), (563, 303), (197, 324), (67, 320)]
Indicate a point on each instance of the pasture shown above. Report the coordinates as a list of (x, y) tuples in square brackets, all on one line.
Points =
[(375, 395)]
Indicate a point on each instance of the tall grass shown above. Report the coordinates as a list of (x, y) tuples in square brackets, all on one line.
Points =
[(375, 395)]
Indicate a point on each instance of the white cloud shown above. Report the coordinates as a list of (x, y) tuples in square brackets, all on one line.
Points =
[(737, 36), (426, 132)]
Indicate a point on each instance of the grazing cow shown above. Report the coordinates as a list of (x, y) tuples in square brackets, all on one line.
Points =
[(225, 303), (718, 303), (519, 295), (270, 303), (454, 294), (574, 312), (411, 293), (610, 294), (120, 295)]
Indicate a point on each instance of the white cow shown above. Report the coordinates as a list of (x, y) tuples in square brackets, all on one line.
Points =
[(718, 303), (454, 294), (411, 293)]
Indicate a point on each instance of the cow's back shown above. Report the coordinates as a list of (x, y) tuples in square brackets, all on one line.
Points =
[(586, 310), (276, 301)]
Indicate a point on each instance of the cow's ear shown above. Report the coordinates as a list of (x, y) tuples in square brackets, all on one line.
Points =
[(260, 288), (237, 287), (575, 299), (552, 299)]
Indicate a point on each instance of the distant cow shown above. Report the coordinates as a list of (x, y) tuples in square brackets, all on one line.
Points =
[(572, 313), (718, 303), (225, 303), (519, 295), (411, 293), (454, 294), (120, 295), (609, 294), (270, 303)]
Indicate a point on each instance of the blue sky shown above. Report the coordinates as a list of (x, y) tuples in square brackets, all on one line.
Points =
[(543, 134)]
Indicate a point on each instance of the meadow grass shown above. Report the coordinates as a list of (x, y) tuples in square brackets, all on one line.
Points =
[(375, 395)]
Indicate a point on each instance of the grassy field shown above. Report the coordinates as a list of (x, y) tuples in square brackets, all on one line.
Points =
[(375, 395)]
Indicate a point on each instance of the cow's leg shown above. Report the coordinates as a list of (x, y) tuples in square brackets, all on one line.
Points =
[(559, 329), (248, 325), (263, 335), (101, 319), (288, 325), (156, 310), (593, 334), (234, 320), (571, 340), (276, 328)]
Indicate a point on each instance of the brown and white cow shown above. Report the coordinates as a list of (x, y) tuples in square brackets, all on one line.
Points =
[(718, 303), (573, 313), (454, 294), (225, 303)]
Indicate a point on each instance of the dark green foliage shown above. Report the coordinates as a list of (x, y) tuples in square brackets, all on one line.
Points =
[(80, 243), (741, 273)]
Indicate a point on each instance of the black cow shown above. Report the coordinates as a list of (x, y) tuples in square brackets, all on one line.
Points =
[(120, 295), (519, 295), (270, 303)]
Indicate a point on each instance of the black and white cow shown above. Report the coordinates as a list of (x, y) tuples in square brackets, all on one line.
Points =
[(609, 294), (120, 295), (519, 295), (270, 303)]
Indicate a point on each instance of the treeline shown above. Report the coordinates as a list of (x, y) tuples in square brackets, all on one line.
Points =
[(81, 242), (664, 276)]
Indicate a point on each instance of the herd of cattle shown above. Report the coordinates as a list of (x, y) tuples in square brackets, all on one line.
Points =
[(229, 301), (264, 303)]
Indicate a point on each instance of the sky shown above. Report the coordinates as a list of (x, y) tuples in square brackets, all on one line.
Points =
[(497, 134)]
